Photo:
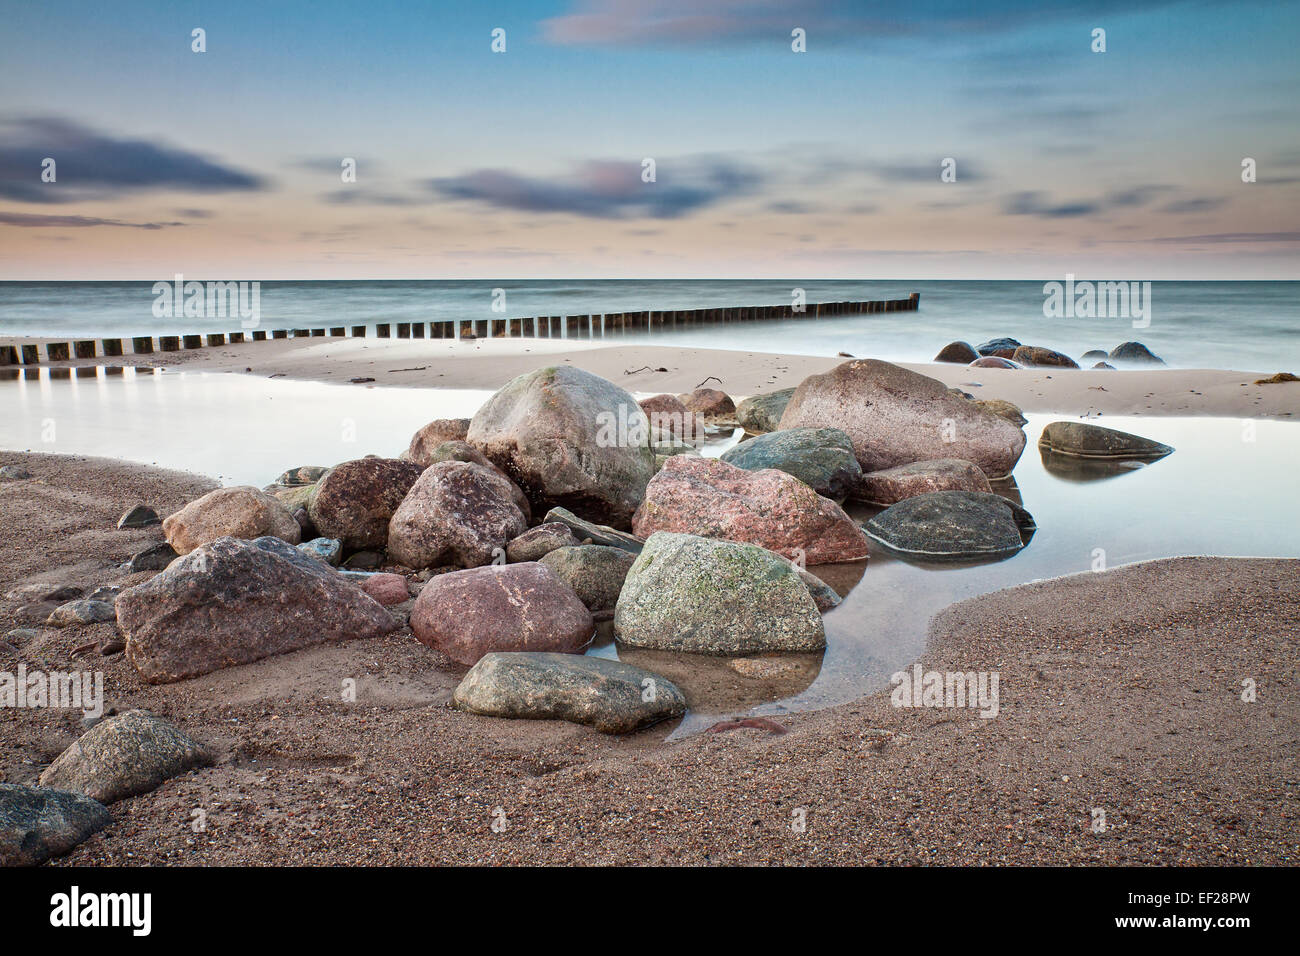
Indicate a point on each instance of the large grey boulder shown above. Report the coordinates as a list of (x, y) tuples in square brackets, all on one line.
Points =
[(123, 756), (706, 596), (232, 602), (760, 414), (595, 572), (896, 416), (952, 526), (37, 823), (569, 438), (822, 458), (456, 512), (613, 697), (1082, 440)]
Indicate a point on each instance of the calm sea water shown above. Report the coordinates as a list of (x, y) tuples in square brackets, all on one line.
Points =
[(1252, 326)]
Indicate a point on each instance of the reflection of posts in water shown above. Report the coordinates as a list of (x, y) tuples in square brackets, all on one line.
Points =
[(728, 684)]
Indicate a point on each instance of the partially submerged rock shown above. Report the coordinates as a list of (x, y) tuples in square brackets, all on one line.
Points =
[(500, 607), (595, 572), (612, 697), (457, 512), (952, 526), (760, 414), (896, 416), (355, 501), (232, 602), (1083, 440), (705, 596), (921, 477), (569, 439), (1134, 353), (239, 512), (1001, 347), (125, 755), (37, 823), (708, 497), (821, 458)]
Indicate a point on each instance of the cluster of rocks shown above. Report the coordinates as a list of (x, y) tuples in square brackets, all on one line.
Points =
[(1009, 353)]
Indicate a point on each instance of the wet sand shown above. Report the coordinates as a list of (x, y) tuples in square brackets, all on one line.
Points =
[(490, 363), (1119, 691)]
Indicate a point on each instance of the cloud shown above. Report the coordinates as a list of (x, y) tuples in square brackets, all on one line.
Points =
[(92, 165), (1032, 204), (607, 189), (704, 22), (1229, 237), (35, 221), (1183, 207)]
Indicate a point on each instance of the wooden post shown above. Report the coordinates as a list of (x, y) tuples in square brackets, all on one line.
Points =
[(516, 328), (31, 355), (403, 330), (169, 343), (84, 348), (142, 345), (216, 338), (57, 351), (279, 333), (338, 330), (317, 333), (417, 330), (236, 338), (111, 346), (259, 335), (383, 330), (8, 355), (358, 331)]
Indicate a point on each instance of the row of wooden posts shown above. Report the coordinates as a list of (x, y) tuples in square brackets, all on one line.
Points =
[(545, 326)]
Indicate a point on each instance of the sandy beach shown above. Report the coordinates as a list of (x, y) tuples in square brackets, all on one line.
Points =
[(490, 363), (1120, 691)]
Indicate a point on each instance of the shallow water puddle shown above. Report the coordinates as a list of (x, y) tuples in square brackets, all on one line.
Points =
[(1227, 490)]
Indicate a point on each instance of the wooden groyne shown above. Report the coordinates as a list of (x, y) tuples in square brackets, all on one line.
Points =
[(20, 351)]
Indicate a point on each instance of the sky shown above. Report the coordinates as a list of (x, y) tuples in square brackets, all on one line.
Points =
[(536, 162)]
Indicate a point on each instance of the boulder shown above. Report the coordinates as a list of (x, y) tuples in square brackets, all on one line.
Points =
[(1003, 409), (570, 439), (595, 572), (1037, 355), (586, 531), (434, 434), (293, 497), (1106, 366), (464, 451), (958, 352), (500, 607), (823, 595), (822, 458), (535, 543), (302, 475), (1001, 348), (37, 823), (141, 516), (612, 697), (1134, 353), (125, 755), (1095, 354), (769, 508), (713, 404), (892, 485), (239, 512), (81, 612), (387, 589), (329, 550), (457, 512), (895, 416), (671, 420), (760, 414), (232, 601), (952, 526), (1082, 440), (705, 596), (355, 501), (993, 361), (153, 558)]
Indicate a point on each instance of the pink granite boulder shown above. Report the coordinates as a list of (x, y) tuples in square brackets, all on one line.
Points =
[(456, 512), (945, 474)]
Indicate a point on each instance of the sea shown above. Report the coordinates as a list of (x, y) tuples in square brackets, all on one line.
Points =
[(1248, 326)]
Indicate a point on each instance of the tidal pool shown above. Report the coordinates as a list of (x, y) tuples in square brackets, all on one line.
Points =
[(1228, 489)]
